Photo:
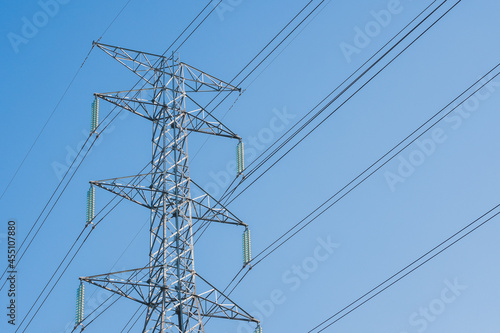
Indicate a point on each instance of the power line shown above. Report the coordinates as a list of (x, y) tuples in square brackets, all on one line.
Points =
[(50, 210), (95, 310), (266, 46), (168, 207), (192, 32), (293, 39), (369, 168), (57, 199), (231, 201), (57, 281), (81, 149), (262, 61), (203, 228), (342, 104), (136, 321), (241, 279), (132, 318), (107, 308), (381, 165), (116, 17), (344, 82), (39, 307), (408, 266), (74, 255), (228, 193), (59, 103)]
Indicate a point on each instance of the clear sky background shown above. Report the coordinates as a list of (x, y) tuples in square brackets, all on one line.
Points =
[(377, 229)]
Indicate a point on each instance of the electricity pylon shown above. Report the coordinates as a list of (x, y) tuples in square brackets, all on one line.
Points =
[(177, 298)]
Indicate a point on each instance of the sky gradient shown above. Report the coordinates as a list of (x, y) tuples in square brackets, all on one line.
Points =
[(432, 189)]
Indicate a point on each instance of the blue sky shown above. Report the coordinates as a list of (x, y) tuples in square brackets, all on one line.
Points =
[(377, 229)]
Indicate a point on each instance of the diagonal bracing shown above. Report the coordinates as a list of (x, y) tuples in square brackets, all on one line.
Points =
[(176, 298)]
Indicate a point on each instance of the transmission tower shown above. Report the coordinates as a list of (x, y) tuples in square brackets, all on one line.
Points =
[(176, 297)]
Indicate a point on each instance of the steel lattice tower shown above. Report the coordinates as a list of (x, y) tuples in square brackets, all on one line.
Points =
[(177, 298)]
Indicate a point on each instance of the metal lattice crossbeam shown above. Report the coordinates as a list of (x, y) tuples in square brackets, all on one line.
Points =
[(132, 284), (140, 103), (203, 208), (149, 66)]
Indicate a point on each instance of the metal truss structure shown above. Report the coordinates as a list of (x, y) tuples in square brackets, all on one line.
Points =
[(177, 298)]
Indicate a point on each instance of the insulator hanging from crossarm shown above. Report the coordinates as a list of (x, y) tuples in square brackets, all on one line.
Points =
[(258, 329), (90, 204), (95, 115), (80, 298), (240, 157), (247, 247)]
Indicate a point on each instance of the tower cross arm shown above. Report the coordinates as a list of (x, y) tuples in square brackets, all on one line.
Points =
[(130, 284), (207, 208), (214, 304), (148, 66), (202, 121), (197, 79)]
